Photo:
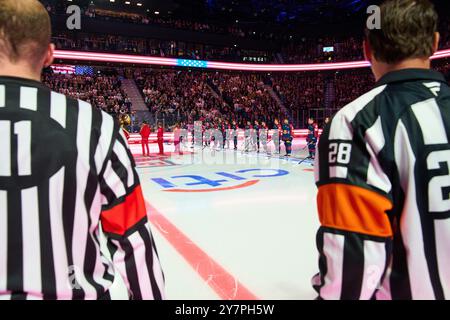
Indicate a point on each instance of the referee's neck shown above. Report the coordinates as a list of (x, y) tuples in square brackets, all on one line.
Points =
[(19, 70), (381, 68)]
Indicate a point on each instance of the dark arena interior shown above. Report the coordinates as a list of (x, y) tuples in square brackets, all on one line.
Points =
[(225, 150)]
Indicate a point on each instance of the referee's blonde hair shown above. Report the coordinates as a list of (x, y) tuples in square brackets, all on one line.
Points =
[(25, 30)]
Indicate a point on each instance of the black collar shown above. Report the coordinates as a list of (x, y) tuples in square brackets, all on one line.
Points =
[(22, 81), (406, 75)]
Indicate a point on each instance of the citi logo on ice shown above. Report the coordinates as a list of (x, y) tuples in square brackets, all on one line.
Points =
[(223, 181)]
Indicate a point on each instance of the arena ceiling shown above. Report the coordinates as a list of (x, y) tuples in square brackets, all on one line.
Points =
[(279, 12)]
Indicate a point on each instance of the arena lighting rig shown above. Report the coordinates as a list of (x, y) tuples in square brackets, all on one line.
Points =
[(147, 60)]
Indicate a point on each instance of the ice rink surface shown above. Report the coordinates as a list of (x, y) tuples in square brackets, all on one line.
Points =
[(232, 225)]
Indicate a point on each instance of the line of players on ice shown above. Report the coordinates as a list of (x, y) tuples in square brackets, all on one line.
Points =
[(221, 135)]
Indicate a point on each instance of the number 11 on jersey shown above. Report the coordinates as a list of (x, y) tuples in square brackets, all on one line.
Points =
[(22, 130)]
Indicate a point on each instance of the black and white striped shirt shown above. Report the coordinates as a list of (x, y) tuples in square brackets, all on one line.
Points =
[(64, 168), (383, 174)]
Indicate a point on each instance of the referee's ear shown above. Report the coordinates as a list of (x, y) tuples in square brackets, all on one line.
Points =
[(49, 56), (367, 51), (437, 37)]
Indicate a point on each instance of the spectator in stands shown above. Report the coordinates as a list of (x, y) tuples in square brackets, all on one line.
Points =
[(102, 91)]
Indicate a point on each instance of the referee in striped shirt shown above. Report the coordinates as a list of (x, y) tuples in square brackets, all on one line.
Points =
[(383, 171), (64, 169)]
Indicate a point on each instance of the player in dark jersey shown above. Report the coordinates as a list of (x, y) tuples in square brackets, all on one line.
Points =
[(264, 136), (223, 129), (207, 133), (287, 137), (66, 172), (311, 138), (234, 128), (255, 137), (383, 171)]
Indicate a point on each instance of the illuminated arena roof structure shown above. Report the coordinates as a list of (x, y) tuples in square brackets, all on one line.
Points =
[(160, 61)]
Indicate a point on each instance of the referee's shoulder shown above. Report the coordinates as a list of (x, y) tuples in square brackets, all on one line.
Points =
[(98, 117), (345, 115)]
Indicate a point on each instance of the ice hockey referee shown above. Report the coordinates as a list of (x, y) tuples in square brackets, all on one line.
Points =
[(383, 171), (64, 168)]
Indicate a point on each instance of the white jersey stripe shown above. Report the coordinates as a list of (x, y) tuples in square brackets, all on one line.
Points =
[(118, 290), (80, 229), (113, 181), (384, 292), (3, 239), (333, 248), (105, 141), (58, 108), (316, 164), (106, 254), (157, 270), (124, 138), (338, 172), (31, 242), (119, 264), (340, 128), (23, 131), (121, 153), (141, 264), (28, 98), (94, 233), (375, 136), (410, 224), (96, 209), (429, 117), (374, 144), (435, 87), (442, 234), (374, 263), (5, 147), (99, 268), (2, 96), (56, 189)]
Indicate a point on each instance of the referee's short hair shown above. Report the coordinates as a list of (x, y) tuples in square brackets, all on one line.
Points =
[(25, 30), (407, 31)]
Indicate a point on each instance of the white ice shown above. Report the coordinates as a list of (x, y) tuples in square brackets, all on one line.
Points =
[(262, 235)]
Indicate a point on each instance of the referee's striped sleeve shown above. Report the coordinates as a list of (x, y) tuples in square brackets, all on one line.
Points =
[(355, 237), (125, 223)]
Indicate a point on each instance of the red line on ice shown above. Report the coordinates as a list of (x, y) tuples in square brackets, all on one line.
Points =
[(240, 186), (220, 280)]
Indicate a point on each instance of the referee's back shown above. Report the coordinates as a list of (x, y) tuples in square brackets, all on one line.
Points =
[(383, 171), (64, 168)]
